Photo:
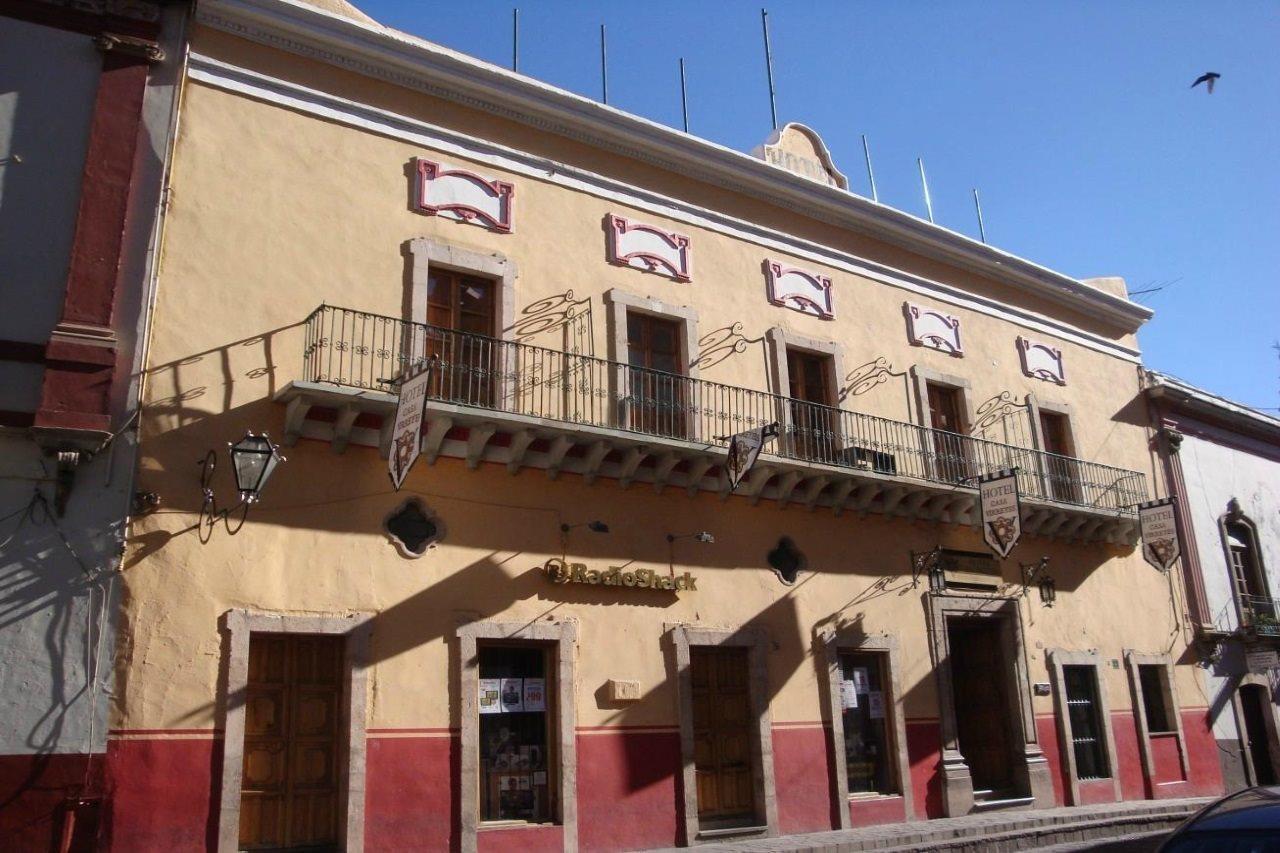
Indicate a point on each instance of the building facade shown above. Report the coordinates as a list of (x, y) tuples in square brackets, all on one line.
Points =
[(1223, 461), (567, 630), (86, 112)]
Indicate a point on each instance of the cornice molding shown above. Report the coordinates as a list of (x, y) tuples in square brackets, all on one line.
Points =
[(1179, 397), (403, 60)]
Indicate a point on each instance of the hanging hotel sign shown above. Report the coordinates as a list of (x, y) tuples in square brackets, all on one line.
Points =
[(560, 571), (1001, 513), (406, 435), (1158, 523), (744, 449)]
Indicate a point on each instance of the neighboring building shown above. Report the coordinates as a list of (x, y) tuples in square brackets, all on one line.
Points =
[(86, 108), (472, 662), (1223, 464)]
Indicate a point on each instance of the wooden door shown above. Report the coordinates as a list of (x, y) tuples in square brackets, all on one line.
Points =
[(289, 792), (951, 461), (657, 389), (980, 686), (1256, 707), (722, 732), (812, 418), (1060, 469), (460, 309)]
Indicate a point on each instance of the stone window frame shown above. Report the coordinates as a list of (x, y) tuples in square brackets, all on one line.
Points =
[(239, 625), (563, 637), (1252, 679), (617, 303), (778, 340), (957, 784), (1058, 659), (1133, 660), (920, 378), (1034, 407), (756, 640), (833, 641)]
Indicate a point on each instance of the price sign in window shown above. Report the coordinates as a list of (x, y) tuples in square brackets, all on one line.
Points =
[(515, 762), (868, 759)]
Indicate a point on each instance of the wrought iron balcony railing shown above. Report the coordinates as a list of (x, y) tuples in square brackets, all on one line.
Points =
[(1260, 615), (363, 350)]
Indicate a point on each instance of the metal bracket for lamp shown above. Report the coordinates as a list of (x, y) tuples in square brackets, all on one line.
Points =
[(1048, 587), (929, 564), (253, 459)]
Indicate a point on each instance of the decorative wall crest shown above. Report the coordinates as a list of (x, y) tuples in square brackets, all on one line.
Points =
[(464, 196), (1041, 361), (928, 327), (644, 247), (799, 149), (806, 292)]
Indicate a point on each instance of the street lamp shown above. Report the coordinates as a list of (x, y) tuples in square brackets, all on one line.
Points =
[(253, 459), (700, 536)]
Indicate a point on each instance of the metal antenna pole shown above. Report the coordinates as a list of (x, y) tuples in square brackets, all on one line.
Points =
[(684, 97), (515, 39), (871, 176), (977, 203), (768, 64), (604, 67), (928, 203)]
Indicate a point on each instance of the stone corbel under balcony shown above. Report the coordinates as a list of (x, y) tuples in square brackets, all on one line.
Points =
[(345, 416)]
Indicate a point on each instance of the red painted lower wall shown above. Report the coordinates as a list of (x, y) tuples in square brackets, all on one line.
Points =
[(163, 790), (34, 794), (627, 789), (802, 776)]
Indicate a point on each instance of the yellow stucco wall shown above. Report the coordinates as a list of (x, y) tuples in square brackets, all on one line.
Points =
[(274, 212)]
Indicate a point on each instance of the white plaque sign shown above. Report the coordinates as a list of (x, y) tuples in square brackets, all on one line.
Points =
[(1262, 661), (406, 436), (1158, 522), (1001, 513)]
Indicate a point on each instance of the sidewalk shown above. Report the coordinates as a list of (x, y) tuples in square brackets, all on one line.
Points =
[(993, 832)]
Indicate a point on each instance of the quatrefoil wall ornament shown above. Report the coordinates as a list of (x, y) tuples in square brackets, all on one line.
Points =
[(413, 528)]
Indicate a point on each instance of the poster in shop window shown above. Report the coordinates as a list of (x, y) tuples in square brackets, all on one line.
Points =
[(848, 695), (535, 694), (490, 688), (512, 695), (1158, 524), (1001, 512), (875, 704), (861, 682)]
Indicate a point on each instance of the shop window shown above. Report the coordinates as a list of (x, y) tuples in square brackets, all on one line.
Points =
[(515, 744), (1087, 733), (869, 759), (1152, 677)]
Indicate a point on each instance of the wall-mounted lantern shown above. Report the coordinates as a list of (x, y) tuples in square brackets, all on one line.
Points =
[(1040, 570), (929, 563), (700, 536), (253, 459)]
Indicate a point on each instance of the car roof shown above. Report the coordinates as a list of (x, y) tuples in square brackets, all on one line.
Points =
[(1252, 808)]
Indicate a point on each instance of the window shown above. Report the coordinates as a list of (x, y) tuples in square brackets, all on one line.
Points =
[(1087, 733), (1246, 575), (863, 700), (813, 421), (515, 759), (1061, 472), (949, 444), (1152, 679), (460, 309), (658, 390)]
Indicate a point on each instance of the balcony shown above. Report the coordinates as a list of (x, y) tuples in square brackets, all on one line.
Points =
[(1260, 616), (527, 406)]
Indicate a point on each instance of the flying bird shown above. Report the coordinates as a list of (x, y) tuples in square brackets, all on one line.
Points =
[(1209, 77)]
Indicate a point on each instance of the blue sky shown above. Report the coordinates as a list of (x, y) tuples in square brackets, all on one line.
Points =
[(1074, 121)]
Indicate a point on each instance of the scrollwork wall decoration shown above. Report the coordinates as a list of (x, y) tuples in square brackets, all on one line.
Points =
[(996, 411), (560, 311), (864, 377), (720, 344)]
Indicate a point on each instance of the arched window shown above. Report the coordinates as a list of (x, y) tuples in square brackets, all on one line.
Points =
[(1248, 578)]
